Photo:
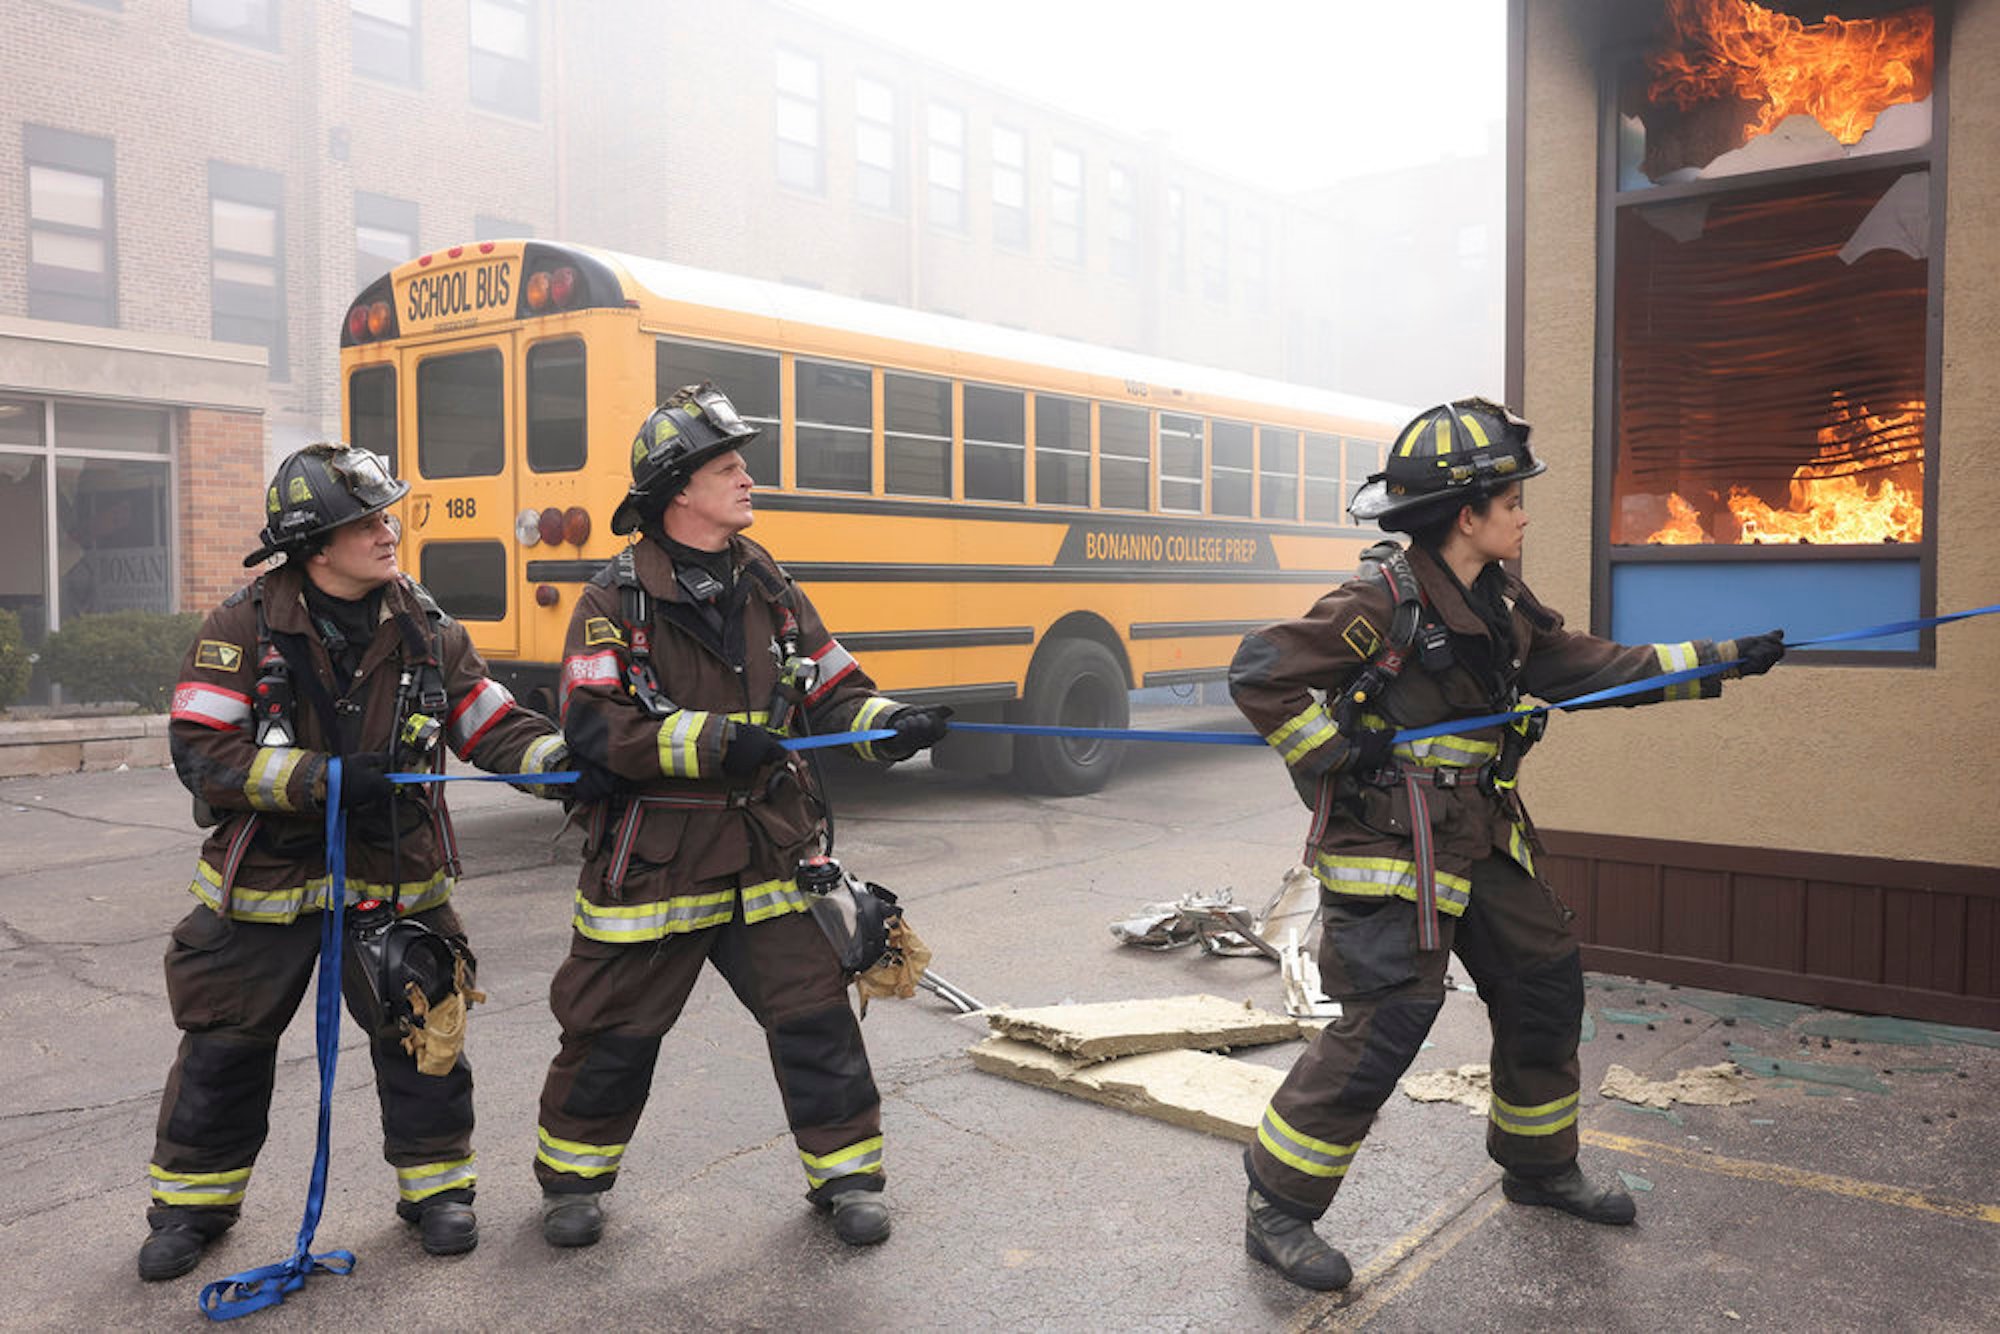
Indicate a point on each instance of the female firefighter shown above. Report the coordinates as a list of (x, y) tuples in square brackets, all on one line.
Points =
[(1423, 848)]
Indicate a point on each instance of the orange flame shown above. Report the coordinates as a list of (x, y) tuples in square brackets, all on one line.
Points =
[(1841, 72), (1831, 502)]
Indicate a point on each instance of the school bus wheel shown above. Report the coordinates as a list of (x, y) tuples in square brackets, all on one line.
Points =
[(1073, 683)]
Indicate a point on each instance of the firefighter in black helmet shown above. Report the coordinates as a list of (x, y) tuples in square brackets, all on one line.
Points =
[(1423, 849), (331, 653), (688, 660)]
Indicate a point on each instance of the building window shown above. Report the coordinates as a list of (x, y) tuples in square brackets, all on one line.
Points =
[(835, 426), (1768, 430), (996, 443), (1229, 468), (877, 182), (384, 38), (385, 235), (1062, 451), (505, 73), (487, 227), (798, 117), (1121, 224), (1010, 187), (1180, 463), (1176, 238), (1066, 205), (1124, 459), (1214, 252), (1277, 473), (1323, 497), (72, 242), (246, 210), (916, 435), (749, 378), (945, 166), (1257, 262), (251, 21)]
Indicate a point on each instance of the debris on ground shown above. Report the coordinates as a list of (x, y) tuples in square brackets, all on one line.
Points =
[(1196, 1089), (1720, 1085), (1109, 1029), (1844, 1076), (1222, 925), (1471, 1086)]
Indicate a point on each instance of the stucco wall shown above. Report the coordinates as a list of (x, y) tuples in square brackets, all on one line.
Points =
[(1854, 761)]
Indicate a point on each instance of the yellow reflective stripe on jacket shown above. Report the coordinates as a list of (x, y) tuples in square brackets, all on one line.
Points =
[(1388, 877), (872, 708), (773, 898), (1677, 658), (1546, 1119), (284, 905), (535, 759), (621, 923), (1303, 1153), (678, 738), (854, 1160), (420, 1183), (198, 1188), (264, 787), (1518, 849), (1313, 728), (583, 1160), (1447, 752)]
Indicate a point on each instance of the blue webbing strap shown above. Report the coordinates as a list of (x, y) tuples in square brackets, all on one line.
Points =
[(267, 1285)]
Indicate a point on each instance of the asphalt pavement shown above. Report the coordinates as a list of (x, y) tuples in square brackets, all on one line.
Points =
[(1859, 1191)]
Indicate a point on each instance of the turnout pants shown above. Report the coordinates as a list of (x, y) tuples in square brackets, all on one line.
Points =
[(616, 1001), (1515, 942), (234, 987)]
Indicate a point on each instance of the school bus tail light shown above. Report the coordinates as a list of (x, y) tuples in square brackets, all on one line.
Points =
[(551, 526), (528, 527), (576, 525), (372, 317), (551, 289)]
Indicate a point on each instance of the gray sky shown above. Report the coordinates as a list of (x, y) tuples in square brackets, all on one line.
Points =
[(1291, 94)]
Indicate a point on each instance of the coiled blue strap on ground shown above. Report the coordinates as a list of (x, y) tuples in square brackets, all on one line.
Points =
[(268, 1285)]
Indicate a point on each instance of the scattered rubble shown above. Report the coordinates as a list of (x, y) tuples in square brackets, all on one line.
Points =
[(1720, 1085)]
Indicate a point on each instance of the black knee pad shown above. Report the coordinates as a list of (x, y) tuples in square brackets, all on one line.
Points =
[(823, 1068), (617, 1075), (1548, 1011), (225, 1094), (417, 1106), (1395, 1035)]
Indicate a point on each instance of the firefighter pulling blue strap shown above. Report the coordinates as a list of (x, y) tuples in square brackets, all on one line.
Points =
[(267, 1285)]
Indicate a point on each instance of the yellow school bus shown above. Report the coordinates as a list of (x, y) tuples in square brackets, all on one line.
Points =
[(1022, 526)]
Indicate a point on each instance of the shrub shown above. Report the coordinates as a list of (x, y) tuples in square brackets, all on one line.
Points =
[(14, 663), (122, 655)]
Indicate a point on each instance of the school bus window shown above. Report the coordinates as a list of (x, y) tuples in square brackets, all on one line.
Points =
[(1277, 473), (1322, 478), (468, 579), (996, 443), (459, 415), (1229, 468), (749, 378), (916, 435), (1364, 458), (1180, 463), (1124, 471), (1062, 451), (371, 411), (556, 428), (834, 425)]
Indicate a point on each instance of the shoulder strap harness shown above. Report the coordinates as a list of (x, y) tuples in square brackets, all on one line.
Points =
[(635, 609)]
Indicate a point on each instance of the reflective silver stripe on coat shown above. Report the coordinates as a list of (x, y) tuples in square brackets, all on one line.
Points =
[(1388, 877), (211, 706), (1447, 752), (1676, 658), (270, 771), (284, 905), (872, 708), (621, 923), (535, 759), (773, 898), (586, 669), (679, 743), (479, 710), (1303, 733), (834, 663)]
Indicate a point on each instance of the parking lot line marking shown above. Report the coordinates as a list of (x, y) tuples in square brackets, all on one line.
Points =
[(1823, 1182)]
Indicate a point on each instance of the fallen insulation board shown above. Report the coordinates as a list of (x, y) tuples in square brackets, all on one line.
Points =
[(1098, 1032), (1196, 1089)]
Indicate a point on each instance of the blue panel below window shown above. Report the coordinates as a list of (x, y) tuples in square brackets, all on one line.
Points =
[(1666, 603)]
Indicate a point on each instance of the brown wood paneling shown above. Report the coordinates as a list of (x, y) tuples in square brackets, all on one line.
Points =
[(1919, 939)]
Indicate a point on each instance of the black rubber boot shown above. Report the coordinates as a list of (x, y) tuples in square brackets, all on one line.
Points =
[(170, 1251), (859, 1216), (1289, 1245), (1568, 1191), (571, 1220), (448, 1227)]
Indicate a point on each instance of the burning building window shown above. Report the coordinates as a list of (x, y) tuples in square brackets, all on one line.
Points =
[(1770, 320)]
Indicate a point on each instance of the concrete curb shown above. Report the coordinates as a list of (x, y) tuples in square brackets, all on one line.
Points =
[(42, 746)]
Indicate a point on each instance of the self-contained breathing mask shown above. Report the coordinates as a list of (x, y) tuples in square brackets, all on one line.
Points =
[(405, 978)]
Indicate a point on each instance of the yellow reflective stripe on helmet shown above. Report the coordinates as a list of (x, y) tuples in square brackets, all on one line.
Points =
[(198, 1188), (626, 923), (1313, 727), (1441, 435), (264, 787), (420, 1183), (1301, 1152), (284, 905), (1388, 877), (679, 737), (773, 898), (1546, 1119), (1675, 658), (854, 1160), (1407, 446), (1471, 423), (582, 1160), (872, 708)]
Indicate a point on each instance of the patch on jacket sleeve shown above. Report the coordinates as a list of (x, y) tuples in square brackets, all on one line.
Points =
[(1362, 637), (602, 630), (222, 657)]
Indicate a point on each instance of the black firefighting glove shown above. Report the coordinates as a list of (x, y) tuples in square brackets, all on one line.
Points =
[(917, 728), (1759, 653), (594, 782), (1369, 748), (749, 749), (364, 779)]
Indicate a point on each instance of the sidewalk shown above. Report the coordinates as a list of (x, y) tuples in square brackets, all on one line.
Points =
[(32, 745)]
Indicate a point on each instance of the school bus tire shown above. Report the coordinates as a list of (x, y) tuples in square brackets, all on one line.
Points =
[(1073, 683)]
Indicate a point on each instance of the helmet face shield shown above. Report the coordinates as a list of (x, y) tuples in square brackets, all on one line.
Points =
[(366, 477)]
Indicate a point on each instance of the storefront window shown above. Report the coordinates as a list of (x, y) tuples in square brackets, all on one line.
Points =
[(112, 536)]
